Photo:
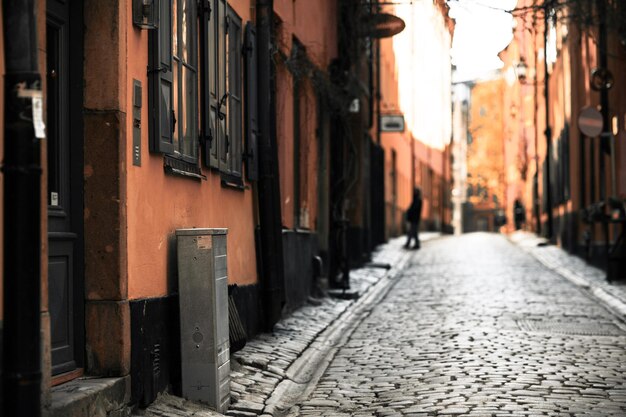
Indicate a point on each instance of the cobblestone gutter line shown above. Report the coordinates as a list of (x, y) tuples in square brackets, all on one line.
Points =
[(589, 278), (259, 368)]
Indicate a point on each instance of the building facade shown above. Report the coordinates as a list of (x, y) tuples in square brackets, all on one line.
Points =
[(237, 115), (566, 61)]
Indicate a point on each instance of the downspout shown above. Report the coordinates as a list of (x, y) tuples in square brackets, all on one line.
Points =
[(21, 361), (378, 94), (605, 147), (272, 270), (536, 201), (548, 131)]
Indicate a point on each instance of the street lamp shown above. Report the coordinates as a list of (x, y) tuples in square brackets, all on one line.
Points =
[(521, 70), (524, 76), (523, 73), (145, 13)]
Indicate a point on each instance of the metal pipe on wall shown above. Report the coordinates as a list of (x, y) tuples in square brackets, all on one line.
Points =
[(548, 131), (21, 362), (271, 251), (606, 129)]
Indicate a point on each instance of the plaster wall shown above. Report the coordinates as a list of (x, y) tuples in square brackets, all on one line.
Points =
[(1, 158), (313, 24), (158, 204)]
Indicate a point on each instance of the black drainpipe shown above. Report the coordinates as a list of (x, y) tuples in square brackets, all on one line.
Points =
[(273, 280), (605, 146), (548, 131), (21, 359)]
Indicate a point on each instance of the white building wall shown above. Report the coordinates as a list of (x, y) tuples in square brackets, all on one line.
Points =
[(422, 53)]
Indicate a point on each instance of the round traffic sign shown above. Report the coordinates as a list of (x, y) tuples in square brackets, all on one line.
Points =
[(590, 121)]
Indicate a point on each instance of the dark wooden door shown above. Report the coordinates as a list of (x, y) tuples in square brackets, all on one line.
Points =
[(65, 186)]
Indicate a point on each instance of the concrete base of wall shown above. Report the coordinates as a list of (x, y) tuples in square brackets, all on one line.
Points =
[(247, 299), (155, 348), (299, 248), (97, 397)]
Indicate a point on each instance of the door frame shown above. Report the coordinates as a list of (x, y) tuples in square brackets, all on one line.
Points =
[(75, 130)]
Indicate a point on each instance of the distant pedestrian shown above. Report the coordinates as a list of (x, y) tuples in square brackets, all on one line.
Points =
[(519, 214), (413, 216)]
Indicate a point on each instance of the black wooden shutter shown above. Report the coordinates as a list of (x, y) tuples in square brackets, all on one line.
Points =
[(235, 120), (212, 54), (252, 120), (207, 124), (162, 117), (222, 108)]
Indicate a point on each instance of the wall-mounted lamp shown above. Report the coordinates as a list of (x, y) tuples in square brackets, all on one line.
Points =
[(521, 70), (524, 74), (144, 13), (601, 79)]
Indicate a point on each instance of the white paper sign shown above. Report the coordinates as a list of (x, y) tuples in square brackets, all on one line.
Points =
[(38, 124)]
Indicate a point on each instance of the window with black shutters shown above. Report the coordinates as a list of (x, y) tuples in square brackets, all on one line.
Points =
[(173, 83), (234, 77), (222, 90), (178, 128)]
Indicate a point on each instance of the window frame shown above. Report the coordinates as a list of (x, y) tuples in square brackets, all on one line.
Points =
[(222, 109), (166, 133), (234, 86)]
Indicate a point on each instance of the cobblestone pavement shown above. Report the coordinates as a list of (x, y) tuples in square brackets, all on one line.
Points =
[(575, 269), (475, 325), (265, 361)]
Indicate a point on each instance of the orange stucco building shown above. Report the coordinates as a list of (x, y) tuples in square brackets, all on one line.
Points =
[(241, 116), (153, 129), (418, 156), (486, 200), (566, 175)]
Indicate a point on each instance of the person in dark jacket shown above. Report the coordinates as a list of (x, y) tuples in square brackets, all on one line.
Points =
[(519, 214), (413, 216)]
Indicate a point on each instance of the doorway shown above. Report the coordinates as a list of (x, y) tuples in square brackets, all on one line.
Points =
[(64, 104)]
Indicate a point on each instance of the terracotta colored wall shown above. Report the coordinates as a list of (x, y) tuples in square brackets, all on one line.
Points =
[(314, 25), (569, 91), (308, 157), (158, 204), (284, 135), (485, 154), (415, 160), (399, 143), (1, 158)]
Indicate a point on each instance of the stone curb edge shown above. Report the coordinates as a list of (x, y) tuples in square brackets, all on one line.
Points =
[(610, 301), (315, 358)]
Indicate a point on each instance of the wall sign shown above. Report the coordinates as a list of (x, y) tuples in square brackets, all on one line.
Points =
[(590, 121), (392, 123), (381, 25)]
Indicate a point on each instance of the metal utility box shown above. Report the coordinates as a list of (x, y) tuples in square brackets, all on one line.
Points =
[(203, 300)]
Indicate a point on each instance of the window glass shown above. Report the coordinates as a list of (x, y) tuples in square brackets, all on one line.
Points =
[(175, 28), (176, 108), (189, 110)]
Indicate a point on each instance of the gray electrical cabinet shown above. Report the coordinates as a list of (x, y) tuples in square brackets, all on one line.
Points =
[(203, 299)]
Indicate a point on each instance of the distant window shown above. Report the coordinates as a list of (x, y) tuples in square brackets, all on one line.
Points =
[(173, 83)]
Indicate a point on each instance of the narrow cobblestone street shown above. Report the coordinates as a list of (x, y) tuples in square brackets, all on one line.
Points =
[(475, 325)]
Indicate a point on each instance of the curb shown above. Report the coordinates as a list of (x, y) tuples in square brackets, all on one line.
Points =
[(306, 371), (595, 291)]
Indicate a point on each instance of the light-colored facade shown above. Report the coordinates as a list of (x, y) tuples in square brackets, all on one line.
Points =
[(560, 173), (422, 94)]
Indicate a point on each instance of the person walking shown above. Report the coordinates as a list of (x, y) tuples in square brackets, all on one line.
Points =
[(519, 214), (413, 216)]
